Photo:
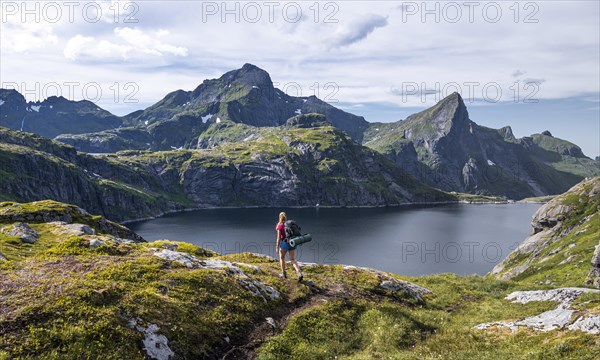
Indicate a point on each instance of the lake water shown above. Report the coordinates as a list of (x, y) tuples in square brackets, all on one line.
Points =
[(462, 239)]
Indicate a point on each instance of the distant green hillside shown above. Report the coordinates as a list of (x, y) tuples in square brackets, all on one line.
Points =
[(293, 165)]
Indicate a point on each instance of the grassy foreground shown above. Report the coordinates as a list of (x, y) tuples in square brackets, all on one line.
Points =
[(112, 296)]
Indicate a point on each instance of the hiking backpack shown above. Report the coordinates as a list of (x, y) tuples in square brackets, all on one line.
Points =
[(291, 229)]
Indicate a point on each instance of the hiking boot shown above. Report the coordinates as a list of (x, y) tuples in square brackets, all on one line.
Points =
[(283, 275), (300, 277)]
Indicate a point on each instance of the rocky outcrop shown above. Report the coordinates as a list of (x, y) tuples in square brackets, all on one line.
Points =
[(559, 318), (564, 233), (36, 168), (21, 231), (593, 277), (72, 220), (265, 292)]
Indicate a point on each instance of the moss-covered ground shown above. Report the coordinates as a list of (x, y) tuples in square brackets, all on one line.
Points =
[(62, 299)]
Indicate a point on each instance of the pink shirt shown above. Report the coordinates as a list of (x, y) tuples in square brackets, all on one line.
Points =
[(281, 230)]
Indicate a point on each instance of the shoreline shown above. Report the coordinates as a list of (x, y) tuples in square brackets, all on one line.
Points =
[(211, 207)]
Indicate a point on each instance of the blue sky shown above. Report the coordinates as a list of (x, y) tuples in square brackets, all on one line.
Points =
[(377, 59)]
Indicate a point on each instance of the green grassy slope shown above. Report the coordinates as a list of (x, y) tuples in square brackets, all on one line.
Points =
[(568, 229), (63, 297)]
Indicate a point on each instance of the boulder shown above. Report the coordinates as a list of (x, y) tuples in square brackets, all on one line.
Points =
[(23, 232), (593, 277), (79, 229), (155, 345), (549, 215), (94, 243)]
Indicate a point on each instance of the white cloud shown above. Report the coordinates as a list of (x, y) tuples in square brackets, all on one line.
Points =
[(358, 29), (134, 43), (81, 46), (366, 56), (18, 37), (147, 44)]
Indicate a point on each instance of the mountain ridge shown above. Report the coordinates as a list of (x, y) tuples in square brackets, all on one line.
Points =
[(287, 166), (441, 146)]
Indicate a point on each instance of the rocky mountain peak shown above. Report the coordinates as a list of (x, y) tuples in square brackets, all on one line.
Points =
[(453, 105), (12, 98), (507, 133), (438, 120), (250, 75)]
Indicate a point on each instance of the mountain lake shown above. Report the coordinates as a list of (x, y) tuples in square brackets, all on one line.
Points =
[(458, 238)]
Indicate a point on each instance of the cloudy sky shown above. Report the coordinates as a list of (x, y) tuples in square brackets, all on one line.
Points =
[(531, 65)]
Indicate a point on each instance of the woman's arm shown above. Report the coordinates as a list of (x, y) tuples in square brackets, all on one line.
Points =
[(278, 241)]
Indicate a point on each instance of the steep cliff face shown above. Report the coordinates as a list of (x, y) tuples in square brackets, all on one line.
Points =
[(564, 241), (322, 167), (288, 166), (35, 168), (110, 141), (53, 116), (282, 166), (455, 154)]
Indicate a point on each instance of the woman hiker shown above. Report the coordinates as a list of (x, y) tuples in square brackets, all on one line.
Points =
[(283, 247)]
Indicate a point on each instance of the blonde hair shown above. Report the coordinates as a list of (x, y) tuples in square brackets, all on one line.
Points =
[(282, 217)]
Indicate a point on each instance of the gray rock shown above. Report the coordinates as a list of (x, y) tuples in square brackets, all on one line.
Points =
[(2, 257), (589, 324), (94, 243), (79, 229), (122, 241), (534, 241), (593, 277), (596, 257), (561, 295), (255, 286), (310, 264), (549, 215), (559, 318), (263, 256), (179, 257), (512, 273), (548, 320), (23, 232), (155, 345), (413, 290), (567, 260), (271, 322), (390, 283)]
